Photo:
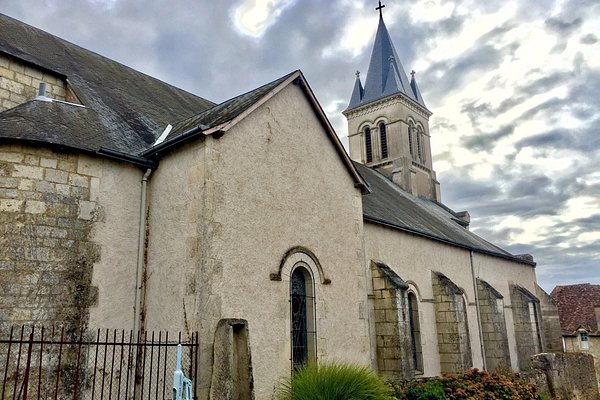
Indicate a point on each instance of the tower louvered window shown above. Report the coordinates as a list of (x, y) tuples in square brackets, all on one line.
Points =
[(368, 145), (383, 140), (420, 145), (411, 132)]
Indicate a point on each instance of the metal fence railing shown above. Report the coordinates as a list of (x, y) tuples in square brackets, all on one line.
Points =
[(54, 363)]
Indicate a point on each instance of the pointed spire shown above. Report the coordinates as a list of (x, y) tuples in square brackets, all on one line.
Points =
[(357, 93), (415, 88), (386, 75)]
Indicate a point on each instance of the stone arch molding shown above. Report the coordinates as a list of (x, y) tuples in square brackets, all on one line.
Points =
[(306, 258)]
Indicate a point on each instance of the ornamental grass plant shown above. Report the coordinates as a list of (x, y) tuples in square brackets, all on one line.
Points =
[(335, 381)]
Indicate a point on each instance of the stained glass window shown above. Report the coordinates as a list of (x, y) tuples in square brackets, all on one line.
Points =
[(299, 319)]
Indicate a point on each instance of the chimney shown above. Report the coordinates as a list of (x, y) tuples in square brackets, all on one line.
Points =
[(42, 93)]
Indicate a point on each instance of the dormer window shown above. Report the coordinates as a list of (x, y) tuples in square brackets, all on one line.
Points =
[(383, 140), (368, 145)]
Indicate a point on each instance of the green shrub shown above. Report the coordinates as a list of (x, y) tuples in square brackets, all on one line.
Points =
[(334, 382), (472, 385)]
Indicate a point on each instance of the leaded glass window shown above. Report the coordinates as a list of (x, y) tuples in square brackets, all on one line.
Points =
[(299, 319)]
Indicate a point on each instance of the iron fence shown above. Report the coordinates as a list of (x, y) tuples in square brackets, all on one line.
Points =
[(54, 363)]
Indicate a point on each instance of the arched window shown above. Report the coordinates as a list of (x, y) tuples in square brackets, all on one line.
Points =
[(383, 140), (368, 145), (411, 133), (415, 332), (420, 152), (303, 332)]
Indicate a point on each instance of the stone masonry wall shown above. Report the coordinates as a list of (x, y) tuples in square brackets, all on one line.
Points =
[(451, 322), (551, 331), (47, 212), (493, 326), (525, 308), (392, 327), (564, 376), (19, 83)]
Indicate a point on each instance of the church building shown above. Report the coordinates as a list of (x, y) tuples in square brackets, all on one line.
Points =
[(127, 203)]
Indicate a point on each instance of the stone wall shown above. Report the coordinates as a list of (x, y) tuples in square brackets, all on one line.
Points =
[(19, 83), (551, 330), (493, 326), (392, 326), (562, 376), (47, 211), (525, 308), (452, 327)]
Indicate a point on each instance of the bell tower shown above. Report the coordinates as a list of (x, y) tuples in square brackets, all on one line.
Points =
[(388, 122)]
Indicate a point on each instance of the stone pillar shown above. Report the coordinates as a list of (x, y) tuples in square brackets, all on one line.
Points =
[(551, 331), (526, 311), (452, 327), (493, 326), (392, 324)]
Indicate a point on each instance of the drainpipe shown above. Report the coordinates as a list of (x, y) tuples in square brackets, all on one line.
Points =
[(478, 311), (141, 266)]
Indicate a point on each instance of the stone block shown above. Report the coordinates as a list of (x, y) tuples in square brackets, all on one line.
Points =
[(57, 176), (79, 180), (48, 162), (8, 193), (8, 183), (67, 165), (10, 205), (26, 184), (11, 86), (35, 207), (24, 79), (89, 166), (34, 73), (11, 157), (94, 189), (87, 210), (28, 171)]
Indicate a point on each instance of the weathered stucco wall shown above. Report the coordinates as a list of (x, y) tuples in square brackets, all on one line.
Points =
[(284, 185), (55, 210), (271, 183)]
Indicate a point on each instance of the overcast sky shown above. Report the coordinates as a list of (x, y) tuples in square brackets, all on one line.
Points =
[(514, 87)]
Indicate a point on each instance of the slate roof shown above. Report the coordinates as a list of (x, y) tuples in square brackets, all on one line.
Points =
[(576, 307), (389, 205), (227, 110), (386, 75), (125, 109)]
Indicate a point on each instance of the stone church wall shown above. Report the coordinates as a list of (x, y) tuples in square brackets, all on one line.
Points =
[(19, 83), (493, 326), (51, 212), (392, 326), (452, 325), (526, 313)]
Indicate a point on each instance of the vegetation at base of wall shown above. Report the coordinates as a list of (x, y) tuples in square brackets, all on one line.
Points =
[(472, 385), (334, 382)]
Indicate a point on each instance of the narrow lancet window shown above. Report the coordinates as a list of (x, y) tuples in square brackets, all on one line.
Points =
[(411, 133), (303, 331), (383, 140), (368, 145), (420, 144), (415, 332)]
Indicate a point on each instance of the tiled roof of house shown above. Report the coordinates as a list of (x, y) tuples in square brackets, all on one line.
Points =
[(389, 205), (576, 305)]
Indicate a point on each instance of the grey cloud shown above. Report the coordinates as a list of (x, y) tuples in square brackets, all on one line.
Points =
[(486, 141), (590, 38), (563, 27)]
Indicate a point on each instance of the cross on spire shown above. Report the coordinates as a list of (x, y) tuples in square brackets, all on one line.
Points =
[(379, 9), (412, 73)]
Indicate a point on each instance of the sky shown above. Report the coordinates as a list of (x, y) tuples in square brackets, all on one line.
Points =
[(514, 87)]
